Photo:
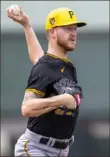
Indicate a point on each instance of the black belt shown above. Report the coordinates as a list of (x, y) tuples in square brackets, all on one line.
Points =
[(57, 144)]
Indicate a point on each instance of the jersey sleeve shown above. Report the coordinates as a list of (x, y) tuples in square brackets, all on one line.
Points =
[(39, 80)]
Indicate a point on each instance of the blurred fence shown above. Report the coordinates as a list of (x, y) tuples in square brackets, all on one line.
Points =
[(92, 62)]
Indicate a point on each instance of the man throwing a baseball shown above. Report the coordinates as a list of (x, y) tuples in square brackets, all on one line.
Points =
[(52, 96)]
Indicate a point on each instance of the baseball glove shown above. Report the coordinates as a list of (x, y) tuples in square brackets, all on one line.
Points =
[(68, 86)]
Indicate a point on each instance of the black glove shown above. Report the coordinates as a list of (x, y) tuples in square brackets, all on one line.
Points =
[(67, 86)]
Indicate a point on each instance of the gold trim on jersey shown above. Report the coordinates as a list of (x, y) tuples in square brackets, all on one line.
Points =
[(35, 91), (64, 59), (25, 148)]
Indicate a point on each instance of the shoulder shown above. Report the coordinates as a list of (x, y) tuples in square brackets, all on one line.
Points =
[(40, 70), (45, 65), (40, 75)]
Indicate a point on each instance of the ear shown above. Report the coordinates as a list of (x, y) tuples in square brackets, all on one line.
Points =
[(53, 32)]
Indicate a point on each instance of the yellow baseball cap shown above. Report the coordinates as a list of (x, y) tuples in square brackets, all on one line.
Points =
[(62, 17)]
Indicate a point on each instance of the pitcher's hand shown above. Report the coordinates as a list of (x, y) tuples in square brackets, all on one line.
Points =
[(21, 18)]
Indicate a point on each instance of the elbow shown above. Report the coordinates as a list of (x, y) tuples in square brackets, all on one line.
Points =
[(25, 111)]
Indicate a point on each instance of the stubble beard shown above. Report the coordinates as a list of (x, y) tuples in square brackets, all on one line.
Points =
[(64, 45)]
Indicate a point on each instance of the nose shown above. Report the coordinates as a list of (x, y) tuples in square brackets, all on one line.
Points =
[(73, 35)]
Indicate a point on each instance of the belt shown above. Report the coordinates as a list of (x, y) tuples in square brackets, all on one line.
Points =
[(52, 142), (57, 144)]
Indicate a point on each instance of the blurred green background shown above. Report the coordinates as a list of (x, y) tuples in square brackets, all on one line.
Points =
[(91, 59)]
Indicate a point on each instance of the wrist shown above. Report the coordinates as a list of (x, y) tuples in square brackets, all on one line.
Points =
[(26, 26)]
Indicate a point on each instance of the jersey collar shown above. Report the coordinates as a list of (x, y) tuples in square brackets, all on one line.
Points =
[(64, 59)]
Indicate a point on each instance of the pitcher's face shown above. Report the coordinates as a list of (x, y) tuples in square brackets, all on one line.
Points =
[(66, 37)]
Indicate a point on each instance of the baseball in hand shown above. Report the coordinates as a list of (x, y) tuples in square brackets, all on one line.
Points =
[(16, 9)]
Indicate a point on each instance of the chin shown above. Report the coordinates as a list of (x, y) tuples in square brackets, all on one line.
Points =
[(71, 48)]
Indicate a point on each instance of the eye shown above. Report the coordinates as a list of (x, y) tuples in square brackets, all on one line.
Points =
[(75, 28), (72, 28), (69, 28)]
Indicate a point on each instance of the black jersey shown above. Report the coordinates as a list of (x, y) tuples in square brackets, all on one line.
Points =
[(44, 75)]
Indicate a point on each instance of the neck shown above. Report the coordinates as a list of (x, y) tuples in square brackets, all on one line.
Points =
[(57, 51)]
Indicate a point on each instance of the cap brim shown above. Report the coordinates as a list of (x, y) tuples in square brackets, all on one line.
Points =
[(81, 24)]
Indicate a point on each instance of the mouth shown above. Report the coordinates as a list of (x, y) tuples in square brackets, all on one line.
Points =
[(73, 41)]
